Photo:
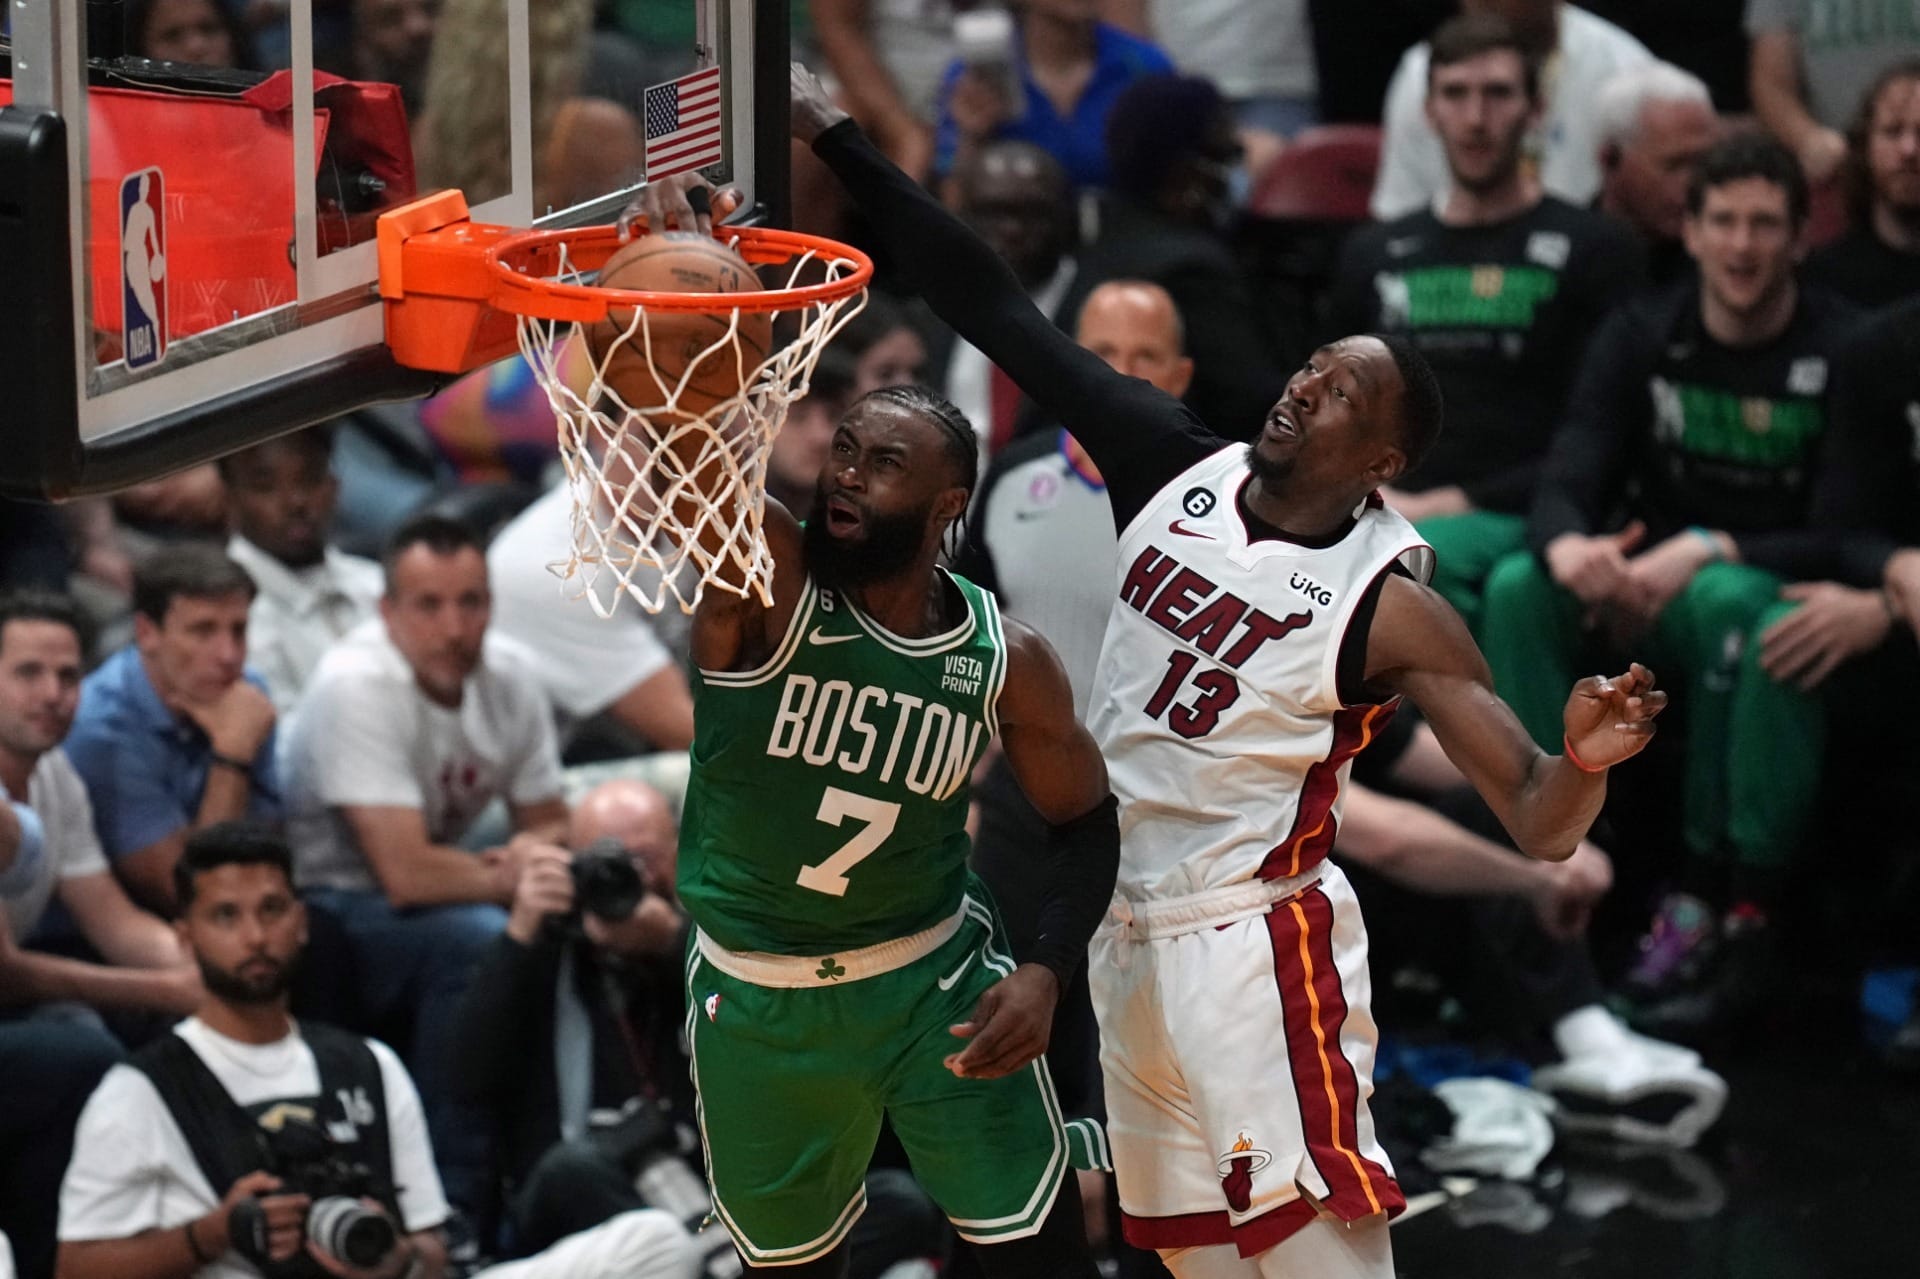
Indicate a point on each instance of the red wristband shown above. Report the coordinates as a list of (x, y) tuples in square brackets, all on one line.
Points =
[(1566, 745)]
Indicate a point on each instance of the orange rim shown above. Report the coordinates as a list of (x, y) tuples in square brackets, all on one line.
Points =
[(523, 266)]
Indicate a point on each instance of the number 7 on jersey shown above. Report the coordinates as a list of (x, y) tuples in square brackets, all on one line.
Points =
[(830, 876)]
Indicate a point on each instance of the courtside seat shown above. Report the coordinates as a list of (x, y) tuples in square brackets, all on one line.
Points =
[(1325, 175)]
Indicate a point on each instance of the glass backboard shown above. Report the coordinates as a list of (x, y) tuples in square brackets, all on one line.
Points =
[(189, 189)]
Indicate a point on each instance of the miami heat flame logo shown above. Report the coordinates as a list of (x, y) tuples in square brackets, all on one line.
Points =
[(1236, 1169)]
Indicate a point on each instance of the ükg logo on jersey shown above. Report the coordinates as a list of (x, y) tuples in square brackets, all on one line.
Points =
[(143, 268)]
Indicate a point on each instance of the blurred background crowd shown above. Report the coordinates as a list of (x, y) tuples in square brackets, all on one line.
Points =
[(1666, 261)]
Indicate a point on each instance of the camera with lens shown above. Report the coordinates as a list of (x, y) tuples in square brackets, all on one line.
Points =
[(309, 1162), (605, 881)]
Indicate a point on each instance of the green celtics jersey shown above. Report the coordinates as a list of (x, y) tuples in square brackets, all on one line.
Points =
[(828, 804)]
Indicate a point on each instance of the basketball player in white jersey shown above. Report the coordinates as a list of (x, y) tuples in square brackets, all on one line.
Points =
[(1270, 615)]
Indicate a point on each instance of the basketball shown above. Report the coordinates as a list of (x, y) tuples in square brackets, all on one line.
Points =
[(644, 368)]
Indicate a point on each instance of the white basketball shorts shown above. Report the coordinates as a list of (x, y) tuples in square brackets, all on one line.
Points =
[(1237, 1041)]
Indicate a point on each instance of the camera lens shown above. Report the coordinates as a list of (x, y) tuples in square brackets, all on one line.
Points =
[(605, 882), (348, 1231)]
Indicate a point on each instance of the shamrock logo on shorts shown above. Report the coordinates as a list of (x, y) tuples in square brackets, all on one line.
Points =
[(830, 970)]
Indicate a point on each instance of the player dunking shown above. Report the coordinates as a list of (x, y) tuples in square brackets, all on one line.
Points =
[(842, 943), (1270, 614)]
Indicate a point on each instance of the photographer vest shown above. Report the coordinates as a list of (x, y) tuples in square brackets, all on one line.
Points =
[(229, 1140)]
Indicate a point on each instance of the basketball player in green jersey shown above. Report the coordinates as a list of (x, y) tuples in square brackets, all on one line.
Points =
[(846, 965)]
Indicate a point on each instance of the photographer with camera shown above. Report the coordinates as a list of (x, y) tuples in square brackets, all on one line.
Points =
[(243, 1143), (317, 1135), (571, 1034)]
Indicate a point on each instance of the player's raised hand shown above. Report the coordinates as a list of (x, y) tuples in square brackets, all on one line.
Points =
[(679, 202), (1610, 719), (812, 109), (1010, 1025)]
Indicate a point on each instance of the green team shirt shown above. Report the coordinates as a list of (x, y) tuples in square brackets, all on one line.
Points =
[(828, 803)]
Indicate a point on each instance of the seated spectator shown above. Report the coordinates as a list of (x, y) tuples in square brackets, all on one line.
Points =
[(201, 32), (308, 594), (1260, 53), (161, 1167), (1585, 51), (1071, 68), (1697, 416), (1878, 260), (889, 61), (1852, 635), (1655, 122), (1807, 84), (1017, 197), (1499, 285), (39, 691), (1173, 147), (628, 667), (388, 41), (408, 730), (52, 1048), (174, 733)]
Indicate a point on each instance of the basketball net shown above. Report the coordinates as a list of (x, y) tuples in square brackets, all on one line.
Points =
[(624, 468)]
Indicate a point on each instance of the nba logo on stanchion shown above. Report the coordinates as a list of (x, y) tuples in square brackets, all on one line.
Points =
[(143, 268)]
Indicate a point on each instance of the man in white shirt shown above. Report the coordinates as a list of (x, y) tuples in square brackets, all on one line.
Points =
[(50, 1057), (160, 1168), (1578, 53), (627, 666), (409, 728), (280, 497)]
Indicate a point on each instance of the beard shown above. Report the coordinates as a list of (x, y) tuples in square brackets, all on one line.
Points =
[(889, 546), (1269, 472), (264, 988)]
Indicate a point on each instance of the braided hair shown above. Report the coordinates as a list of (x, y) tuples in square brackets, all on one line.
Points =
[(957, 438)]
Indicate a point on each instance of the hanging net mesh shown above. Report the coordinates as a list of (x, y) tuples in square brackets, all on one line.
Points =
[(669, 494)]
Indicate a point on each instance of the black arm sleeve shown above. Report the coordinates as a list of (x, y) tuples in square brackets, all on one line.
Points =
[(499, 1017), (1138, 436), (1085, 853), (1607, 410)]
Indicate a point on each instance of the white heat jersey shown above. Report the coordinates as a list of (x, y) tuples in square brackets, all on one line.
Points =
[(1216, 701)]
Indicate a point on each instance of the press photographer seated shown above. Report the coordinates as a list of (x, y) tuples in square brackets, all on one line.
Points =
[(305, 1131)]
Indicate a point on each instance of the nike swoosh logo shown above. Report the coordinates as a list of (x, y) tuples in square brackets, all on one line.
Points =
[(815, 637), (946, 983), (1187, 532)]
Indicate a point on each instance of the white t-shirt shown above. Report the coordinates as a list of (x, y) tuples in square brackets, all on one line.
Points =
[(1413, 166), (298, 614), (132, 1169), (1250, 48), (366, 735), (585, 662), (59, 798)]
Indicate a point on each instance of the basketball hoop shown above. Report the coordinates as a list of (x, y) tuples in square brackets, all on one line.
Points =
[(460, 295)]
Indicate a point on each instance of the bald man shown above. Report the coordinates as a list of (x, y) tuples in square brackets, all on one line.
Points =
[(641, 819)]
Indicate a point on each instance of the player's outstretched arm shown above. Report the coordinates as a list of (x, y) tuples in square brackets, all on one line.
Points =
[(1419, 647), (969, 287), (1058, 765)]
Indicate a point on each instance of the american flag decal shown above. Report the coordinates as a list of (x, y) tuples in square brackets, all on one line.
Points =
[(683, 123)]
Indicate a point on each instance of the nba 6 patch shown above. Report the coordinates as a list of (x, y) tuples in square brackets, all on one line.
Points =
[(143, 268)]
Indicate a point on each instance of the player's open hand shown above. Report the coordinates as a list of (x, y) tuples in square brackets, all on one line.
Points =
[(1010, 1025), (1610, 719), (811, 109)]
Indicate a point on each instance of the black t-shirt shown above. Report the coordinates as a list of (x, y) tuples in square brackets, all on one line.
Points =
[(1868, 497), (1667, 425), (1503, 313), (1864, 270)]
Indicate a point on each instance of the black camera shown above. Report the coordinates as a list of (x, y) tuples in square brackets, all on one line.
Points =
[(310, 1163), (605, 881)]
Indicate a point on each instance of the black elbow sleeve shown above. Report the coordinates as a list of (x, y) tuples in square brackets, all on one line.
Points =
[(1085, 859)]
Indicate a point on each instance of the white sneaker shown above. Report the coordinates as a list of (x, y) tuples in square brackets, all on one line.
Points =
[(1642, 1090)]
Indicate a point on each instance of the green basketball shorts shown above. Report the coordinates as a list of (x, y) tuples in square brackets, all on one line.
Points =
[(794, 1079)]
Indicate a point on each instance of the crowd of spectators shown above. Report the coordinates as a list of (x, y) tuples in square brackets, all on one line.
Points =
[(313, 732)]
